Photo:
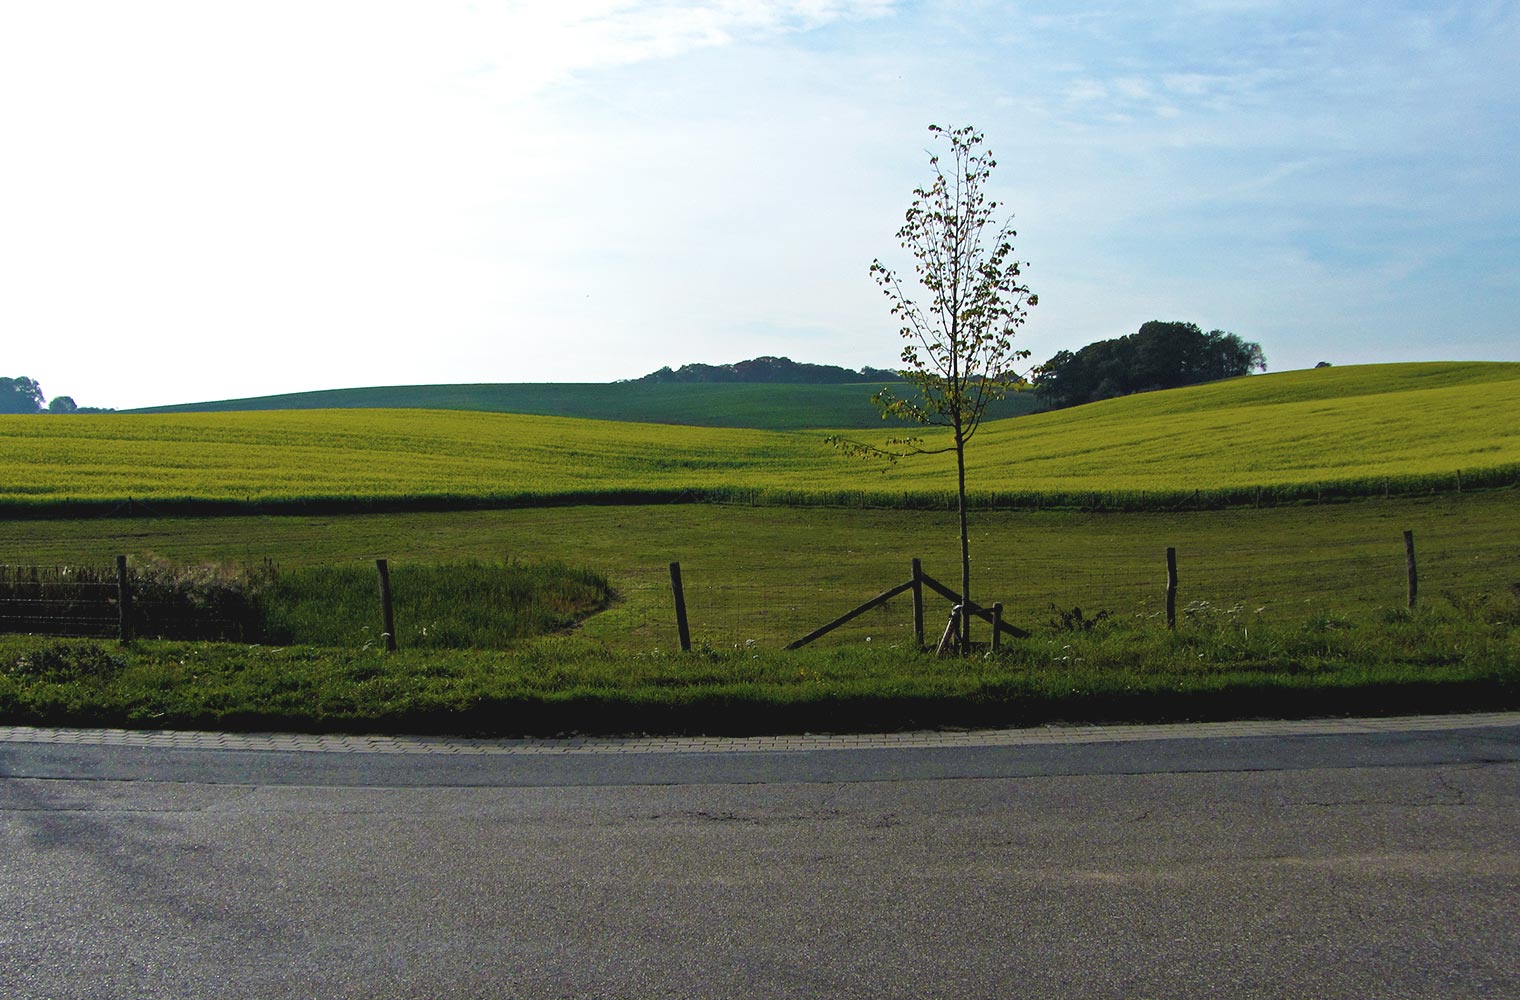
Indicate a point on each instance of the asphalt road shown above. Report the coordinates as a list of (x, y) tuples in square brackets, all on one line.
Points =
[(1351, 865)]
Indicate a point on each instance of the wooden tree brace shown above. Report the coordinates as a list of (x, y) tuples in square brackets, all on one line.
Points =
[(874, 602), (971, 607)]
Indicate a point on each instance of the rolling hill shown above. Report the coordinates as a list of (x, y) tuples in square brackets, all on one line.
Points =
[(761, 406), (1339, 431)]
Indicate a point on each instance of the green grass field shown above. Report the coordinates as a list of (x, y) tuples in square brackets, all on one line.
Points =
[(1362, 431), (761, 407)]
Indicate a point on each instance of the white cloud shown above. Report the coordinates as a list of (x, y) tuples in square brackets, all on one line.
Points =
[(304, 183)]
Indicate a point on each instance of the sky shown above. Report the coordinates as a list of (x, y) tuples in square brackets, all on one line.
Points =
[(213, 200)]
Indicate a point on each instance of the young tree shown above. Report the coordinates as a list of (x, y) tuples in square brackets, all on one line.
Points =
[(958, 353)]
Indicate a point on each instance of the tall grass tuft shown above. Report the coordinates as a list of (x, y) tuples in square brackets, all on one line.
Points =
[(441, 606), (169, 600), (456, 606), (200, 601)]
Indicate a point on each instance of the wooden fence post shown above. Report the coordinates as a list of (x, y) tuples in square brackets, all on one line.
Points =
[(680, 594), (123, 599), (1171, 588), (387, 614), (997, 626), (918, 603), (1414, 577)]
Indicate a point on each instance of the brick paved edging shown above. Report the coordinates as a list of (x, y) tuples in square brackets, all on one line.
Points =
[(1035, 736)]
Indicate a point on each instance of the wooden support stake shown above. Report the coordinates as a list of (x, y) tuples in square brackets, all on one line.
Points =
[(997, 626), (123, 599), (1414, 577), (951, 639), (918, 603), (1171, 588), (387, 614), (682, 629)]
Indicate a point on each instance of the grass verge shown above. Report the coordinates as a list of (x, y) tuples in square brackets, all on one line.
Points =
[(1449, 656)]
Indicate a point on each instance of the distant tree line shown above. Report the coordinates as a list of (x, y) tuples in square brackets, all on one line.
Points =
[(1159, 356), (24, 395), (773, 370)]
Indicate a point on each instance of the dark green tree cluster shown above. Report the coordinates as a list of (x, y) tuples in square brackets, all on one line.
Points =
[(24, 395), (1159, 356), (20, 395), (776, 371)]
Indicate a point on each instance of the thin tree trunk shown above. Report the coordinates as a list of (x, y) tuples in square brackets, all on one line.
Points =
[(960, 472)]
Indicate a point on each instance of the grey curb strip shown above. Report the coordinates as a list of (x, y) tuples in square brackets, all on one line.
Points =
[(1037, 736)]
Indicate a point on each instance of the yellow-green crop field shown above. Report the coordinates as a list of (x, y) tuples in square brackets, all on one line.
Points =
[(1360, 429)]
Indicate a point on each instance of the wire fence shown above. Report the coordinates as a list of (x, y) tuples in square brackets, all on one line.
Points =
[(1279, 581), (114, 601), (59, 600), (772, 599)]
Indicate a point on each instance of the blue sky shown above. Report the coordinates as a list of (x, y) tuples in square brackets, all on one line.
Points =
[(213, 200)]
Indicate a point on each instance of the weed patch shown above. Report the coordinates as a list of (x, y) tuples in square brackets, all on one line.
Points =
[(64, 661)]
